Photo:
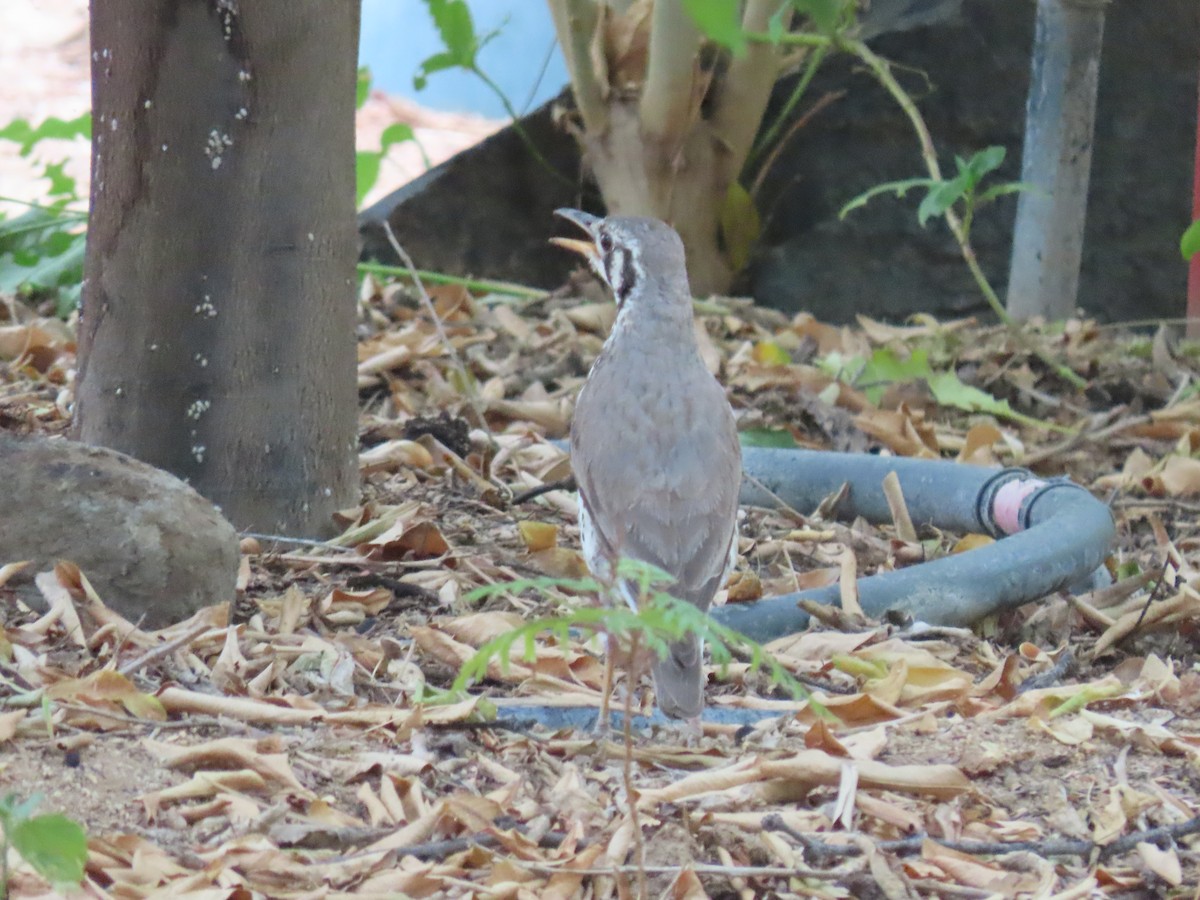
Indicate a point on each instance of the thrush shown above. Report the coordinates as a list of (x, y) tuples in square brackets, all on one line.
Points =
[(654, 446)]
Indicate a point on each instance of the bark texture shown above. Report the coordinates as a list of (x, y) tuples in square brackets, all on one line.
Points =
[(683, 182), (217, 337)]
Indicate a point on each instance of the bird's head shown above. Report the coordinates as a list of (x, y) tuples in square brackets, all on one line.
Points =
[(628, 252)]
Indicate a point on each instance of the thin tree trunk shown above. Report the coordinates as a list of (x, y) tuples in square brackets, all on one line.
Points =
[(683, 184), (661, 152), (217, 333)]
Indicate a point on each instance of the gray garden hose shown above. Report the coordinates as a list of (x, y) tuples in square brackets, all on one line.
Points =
[(1054, 534)]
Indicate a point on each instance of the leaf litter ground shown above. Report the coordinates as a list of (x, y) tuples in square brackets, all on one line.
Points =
[(279, 744)]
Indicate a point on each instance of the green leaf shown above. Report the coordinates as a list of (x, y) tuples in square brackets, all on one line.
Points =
[(775, 29), (767, 437), (885, 368), (366, 173), (827, 15), (25, 269), (1189, 244), (941, 197), (362, 88), (454, 25), (720, 21), (900, 188), (986, 160), (18, 231), (21, 132), (68, 299), (452, 18), (436, 63), (61, 184), (999, 190), (396, 133), (13, 809), (53, 845), (367, 162), (949, 390), (1128, 569), (740, 225)]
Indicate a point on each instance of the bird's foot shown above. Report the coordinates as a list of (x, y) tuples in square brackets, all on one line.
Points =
[(602, 729), (686, 732)]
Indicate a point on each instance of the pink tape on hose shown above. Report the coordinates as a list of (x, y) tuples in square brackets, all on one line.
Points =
[(1006, 507)]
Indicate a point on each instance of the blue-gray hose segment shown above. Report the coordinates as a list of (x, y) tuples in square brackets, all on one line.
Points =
[(1069, 533)]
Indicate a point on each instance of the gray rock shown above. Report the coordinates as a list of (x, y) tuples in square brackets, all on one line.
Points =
[(154, 549)]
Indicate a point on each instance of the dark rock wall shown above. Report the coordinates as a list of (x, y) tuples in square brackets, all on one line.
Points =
[(488, 211), (880, 261)]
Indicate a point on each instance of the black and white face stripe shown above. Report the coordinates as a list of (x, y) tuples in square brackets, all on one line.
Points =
[(618, 264)]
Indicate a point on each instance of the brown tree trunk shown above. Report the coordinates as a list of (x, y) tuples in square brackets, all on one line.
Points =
[(217, 332), (683, 183), (673, 147)]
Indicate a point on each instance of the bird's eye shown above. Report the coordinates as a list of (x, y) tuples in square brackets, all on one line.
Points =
[(605, 243)]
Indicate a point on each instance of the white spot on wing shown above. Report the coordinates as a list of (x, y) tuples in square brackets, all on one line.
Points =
[(596, 561)]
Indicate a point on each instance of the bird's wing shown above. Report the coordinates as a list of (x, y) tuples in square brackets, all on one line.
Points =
[(650, 484)]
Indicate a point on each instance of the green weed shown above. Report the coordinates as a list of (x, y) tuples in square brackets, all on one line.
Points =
[(461, 44), (42, 249), (660, 620), (367, 162), (53, 845)]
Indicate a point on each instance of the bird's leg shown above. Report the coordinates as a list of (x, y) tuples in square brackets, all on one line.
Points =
[(603, 723), (686, 732)]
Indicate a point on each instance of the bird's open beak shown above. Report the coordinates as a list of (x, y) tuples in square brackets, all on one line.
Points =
[(585, 221)]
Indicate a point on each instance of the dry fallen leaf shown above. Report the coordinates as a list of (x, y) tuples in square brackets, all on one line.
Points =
[(538, 536)]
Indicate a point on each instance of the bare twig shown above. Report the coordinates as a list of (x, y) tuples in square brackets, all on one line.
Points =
[(284, 539), (784, 506), (154, 653), (770, 142), (639, 847), (1050, 677), (825, 853), (468, 383), (1084, 436), (1169, 503), (778, 148), (485, 285), (1156, 593), (563, 484), (444, 848), (698, 869)]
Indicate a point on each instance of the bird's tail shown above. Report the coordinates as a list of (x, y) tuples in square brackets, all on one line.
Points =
[(679, 679)]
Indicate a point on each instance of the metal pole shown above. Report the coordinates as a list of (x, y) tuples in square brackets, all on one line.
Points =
[(1060, 114)]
